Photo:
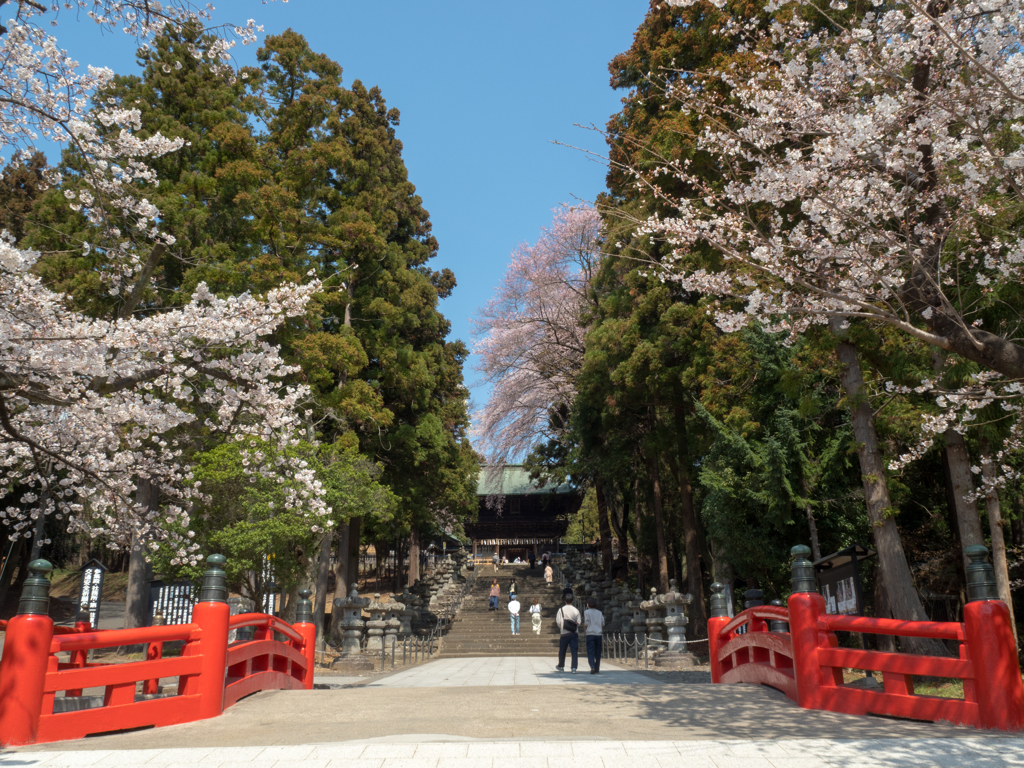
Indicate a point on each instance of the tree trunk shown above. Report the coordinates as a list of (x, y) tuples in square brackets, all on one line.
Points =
[(140, 570), (604, 527), (637, 532), (659, 521), (698, 626), (995, 524), (885, 643), (414, 557), (812, 526), (44, 500), (621, 527), (951, 521), (904, 601), (354, 526), (968, 521), (323, 568), (341, 582)]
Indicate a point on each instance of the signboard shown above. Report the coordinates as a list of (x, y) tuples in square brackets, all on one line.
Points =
[(839, 580), (90, 591), (839, 588), (174, 601), (269, 605)]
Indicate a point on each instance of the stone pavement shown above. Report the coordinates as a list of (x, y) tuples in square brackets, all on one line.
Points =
[(434, 716), (443, 752), (510, 670)]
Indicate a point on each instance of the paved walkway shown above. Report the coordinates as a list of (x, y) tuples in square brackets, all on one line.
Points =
[(510, 670), (431, 753), (512, 713)]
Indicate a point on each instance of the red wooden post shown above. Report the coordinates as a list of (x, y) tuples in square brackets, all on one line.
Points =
[(805, 605), (719, 618), (25, 660), (991, 648), (154, 651), (212, 615), (80, 658), (305, 627)]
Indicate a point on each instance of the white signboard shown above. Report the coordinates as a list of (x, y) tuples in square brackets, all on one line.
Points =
[(90, 593)]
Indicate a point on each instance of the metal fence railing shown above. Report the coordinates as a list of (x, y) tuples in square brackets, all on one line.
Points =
[(416, 648)]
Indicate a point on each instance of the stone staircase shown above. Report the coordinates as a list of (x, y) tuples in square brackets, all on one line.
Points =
[(479, 631)]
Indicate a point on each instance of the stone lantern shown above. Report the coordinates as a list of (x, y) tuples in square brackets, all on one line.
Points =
[(675, 616), (375, 626), (348, 622), (653, 610), (676, 655), (392, 624), (406, 614)]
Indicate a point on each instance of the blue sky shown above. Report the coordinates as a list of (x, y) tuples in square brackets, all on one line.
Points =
[(484, 89)]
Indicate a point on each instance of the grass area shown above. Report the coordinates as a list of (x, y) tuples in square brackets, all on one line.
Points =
[(946, 689)]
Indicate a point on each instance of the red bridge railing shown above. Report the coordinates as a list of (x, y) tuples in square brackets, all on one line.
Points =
[(41, 661), (800, 655), (757, 655)]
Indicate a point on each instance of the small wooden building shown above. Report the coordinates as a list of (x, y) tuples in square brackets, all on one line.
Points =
[(516, 517)]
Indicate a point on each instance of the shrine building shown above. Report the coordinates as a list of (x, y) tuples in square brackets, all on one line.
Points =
[(516, 517)]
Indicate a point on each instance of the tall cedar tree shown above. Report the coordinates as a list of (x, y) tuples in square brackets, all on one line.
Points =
[(322, 187)]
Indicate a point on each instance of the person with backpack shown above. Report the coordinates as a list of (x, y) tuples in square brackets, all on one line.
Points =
[(593, 620), (568, 620)]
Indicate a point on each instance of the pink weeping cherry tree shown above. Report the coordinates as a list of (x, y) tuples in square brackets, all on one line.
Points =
[(530, 336)]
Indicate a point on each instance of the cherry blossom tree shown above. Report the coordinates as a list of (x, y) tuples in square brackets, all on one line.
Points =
[(869, 168), (530, 336), (872, 168), (92, 410), (99, 403)]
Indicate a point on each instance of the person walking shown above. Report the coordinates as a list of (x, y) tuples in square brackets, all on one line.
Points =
[(495, 594), (495, 561), (568, 620), (513, 610), (535, 615), (593, 620), (548, 574), (513, 589), (533, 559)]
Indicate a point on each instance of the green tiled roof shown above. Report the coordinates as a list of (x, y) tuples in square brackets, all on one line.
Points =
[(513, 481)]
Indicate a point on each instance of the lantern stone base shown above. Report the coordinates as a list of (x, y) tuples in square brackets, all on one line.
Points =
[(675, 660), (354, 664)]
